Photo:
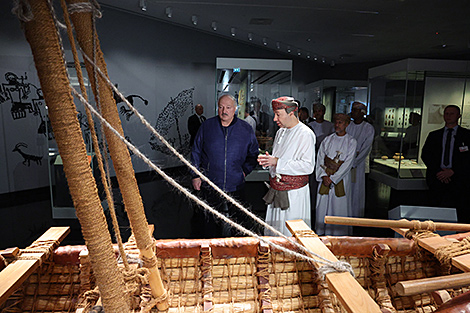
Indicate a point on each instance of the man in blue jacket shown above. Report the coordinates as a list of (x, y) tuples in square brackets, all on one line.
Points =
[(225, 150)]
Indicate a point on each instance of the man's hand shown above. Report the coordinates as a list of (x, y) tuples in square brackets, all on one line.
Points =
[(196, 183), (445, 175), (327, 181), (267, 160)]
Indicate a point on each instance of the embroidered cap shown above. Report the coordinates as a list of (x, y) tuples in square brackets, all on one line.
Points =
[(284, 103)]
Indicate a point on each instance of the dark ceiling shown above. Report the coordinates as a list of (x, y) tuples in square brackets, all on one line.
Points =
[(332, 31)]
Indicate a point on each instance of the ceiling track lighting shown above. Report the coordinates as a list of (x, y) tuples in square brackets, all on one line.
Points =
[(169, 12), (250, 36), (233, 31), (214, 25), (308, 55), (288, 49), (194, 20), (265, 41), (143, 5), (299, 53)]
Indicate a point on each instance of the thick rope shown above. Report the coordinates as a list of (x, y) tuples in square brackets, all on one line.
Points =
[(203, 177), (338, 266), (104, 174)]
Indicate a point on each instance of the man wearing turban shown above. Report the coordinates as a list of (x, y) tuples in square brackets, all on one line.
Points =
[(291, 163), (363, 132), (333, 171)]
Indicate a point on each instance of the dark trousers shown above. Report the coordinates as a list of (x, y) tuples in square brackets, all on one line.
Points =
[(205, 225), (452, 195)]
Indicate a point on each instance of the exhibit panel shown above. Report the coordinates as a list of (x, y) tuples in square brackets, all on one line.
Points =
[(407, 100)]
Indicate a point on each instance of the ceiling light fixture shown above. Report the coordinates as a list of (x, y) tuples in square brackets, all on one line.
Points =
[(169, 12), (278, 45), (323, 60), (308, 55), (299, 52), (315, 57), (233, 31), (214, 25), (288, 49), (265, 41), (194, 20), (250, 36), (143, 5)]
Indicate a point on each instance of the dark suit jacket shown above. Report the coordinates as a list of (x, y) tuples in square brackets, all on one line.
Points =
[(432, 154), (193, 126)]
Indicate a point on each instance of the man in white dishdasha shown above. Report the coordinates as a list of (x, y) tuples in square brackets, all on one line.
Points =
[(292, 160)]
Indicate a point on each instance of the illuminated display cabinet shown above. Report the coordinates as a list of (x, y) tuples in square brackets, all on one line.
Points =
[(407, 100)]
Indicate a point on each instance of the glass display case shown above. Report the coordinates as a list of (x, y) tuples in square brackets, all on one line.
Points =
[(407, 99), (254, 83)]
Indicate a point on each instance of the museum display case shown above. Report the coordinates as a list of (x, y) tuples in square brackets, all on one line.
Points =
[(407, 100), (336, 95), (254, 83)]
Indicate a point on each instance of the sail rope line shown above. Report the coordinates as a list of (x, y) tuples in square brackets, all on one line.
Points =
[(328, 264), (188, 164)]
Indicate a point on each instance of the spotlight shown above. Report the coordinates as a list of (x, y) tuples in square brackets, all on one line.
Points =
[(250, 36), (278, 45), (233, 31), (194, 20), (265, 41), (323, 60), (143, 5), (214, 26), (299, 52), (288, 49), (315, 57), (332, 63), (308, 55), (169, 12)]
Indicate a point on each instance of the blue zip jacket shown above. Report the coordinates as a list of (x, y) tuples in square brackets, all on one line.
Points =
[(225, 154)]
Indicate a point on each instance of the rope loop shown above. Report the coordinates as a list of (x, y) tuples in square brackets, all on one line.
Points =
[(339, 266), (85, 7)]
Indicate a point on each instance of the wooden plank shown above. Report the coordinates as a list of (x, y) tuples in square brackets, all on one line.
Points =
[(350, 293), (16, 273)]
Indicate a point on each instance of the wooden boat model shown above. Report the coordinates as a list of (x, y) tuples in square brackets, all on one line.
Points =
[(218, 275), (237, 275)]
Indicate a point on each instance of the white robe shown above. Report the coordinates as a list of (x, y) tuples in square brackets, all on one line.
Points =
[(295, 149), (364, 135), (322, 130), (330, 204)]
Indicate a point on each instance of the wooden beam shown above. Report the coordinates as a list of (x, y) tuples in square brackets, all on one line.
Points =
[(418, 286), (350, 293), (403, 223), (16, 273)]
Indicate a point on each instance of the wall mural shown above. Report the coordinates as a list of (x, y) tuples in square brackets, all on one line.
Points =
[(123, 109), (19, 94), (169, 118), (27, 158)]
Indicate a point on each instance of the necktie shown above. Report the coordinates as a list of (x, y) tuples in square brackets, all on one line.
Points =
[(447, 147)]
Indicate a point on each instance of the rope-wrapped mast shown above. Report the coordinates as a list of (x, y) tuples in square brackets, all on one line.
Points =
[(42, 36), (89, 43)]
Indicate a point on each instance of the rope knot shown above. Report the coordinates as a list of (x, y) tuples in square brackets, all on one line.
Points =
[(339, 266), (22, 9)]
